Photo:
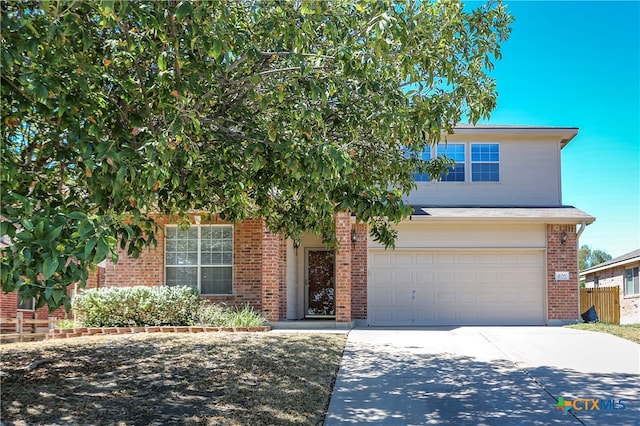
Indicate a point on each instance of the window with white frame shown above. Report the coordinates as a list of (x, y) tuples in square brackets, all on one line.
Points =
[(424, 177), (455, 152), (485, 162), (631, 282), (27, 304), (200, 257)]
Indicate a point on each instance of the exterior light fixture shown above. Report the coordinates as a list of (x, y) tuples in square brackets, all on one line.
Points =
[(563, 238), (354, 236)]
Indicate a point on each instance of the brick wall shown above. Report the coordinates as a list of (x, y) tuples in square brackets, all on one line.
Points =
[(359, 273), (343, 267), (148, 268), (273, 284), (562, 296), (614, 277), (9, 308)]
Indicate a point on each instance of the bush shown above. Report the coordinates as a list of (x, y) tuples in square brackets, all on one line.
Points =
[(137, 306), (218, 315)]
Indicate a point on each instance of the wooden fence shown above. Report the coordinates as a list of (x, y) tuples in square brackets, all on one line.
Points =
[(25, 328), (606, 301)]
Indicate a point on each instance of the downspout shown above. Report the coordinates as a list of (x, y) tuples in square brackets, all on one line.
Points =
[(583, 225)]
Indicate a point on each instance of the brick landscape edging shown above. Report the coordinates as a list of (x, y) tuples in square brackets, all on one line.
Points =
[(63, 333)]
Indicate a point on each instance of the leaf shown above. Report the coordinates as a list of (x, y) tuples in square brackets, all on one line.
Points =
[(184, 9), (162, 64), (101, 251), (77, 215), (49, 267), (216, 49), (88, 248)]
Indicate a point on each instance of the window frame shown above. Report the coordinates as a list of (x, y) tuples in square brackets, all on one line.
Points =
[(471, 162), (463, 163), (199, 265), (32, 303), (635, 281), (467, 164)]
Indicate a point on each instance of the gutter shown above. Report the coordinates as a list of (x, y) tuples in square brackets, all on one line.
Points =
[(583, 225)]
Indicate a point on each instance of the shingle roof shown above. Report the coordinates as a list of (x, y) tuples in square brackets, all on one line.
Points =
[(555, 214), (565, 133), (632, 256)]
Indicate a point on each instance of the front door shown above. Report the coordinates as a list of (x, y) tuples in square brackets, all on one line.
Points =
[(321, 289)]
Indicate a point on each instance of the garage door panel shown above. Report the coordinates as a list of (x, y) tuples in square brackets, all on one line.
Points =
[(423, 259), (455, 288)]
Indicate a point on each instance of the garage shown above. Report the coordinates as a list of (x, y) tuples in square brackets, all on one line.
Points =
[(464, 287)]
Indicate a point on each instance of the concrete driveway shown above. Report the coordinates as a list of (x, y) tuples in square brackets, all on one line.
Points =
[(486, 376)]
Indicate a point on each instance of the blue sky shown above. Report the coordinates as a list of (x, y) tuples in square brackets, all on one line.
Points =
[(577, 64)]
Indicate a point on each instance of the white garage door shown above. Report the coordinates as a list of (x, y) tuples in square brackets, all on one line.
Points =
[(497, 287)]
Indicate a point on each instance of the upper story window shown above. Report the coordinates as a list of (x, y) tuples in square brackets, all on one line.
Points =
[(200, 257), (485, 162), (424, 177), (455, 152), (631, 282)]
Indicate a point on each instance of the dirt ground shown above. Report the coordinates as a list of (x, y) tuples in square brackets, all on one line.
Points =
[(160, 379)]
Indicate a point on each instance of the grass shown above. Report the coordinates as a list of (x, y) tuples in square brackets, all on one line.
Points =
[(191, 379), (630, 332)]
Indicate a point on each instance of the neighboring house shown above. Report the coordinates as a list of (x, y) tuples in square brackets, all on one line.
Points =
[(490, 244), (621, 272)]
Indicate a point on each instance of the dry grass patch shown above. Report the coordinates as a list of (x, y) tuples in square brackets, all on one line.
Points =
[(198, 379), (629, 332)]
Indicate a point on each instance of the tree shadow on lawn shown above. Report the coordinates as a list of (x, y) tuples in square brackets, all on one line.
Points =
[(405, 386), (234, 379)]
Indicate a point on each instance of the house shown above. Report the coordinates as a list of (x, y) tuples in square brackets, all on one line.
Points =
[(491, 243), (621, 272)]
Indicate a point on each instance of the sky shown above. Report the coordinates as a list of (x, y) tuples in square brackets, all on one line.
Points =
[(577, 64)]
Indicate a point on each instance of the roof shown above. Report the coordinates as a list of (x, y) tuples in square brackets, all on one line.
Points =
[(633, 256), (553, 214), (566, 134)]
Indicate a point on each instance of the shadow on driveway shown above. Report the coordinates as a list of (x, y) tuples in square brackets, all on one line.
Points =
[(412, 383)]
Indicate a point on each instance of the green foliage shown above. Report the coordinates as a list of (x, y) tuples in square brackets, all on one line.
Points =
[(588, 258), (219, 315), (284, 110), (137, 306), (67, 323)]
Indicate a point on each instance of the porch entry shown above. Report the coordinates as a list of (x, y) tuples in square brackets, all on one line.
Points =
[(320, 297)]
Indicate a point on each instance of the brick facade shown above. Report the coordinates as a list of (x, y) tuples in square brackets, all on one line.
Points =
[(614, 277), (9, 308), (260, 266), (343, 267), (148, 268), (563, 301), (359, 273), (273, 286)]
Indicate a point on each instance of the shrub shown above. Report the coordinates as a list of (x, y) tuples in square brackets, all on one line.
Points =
[(137, 306), (218, 315), (212, 314), (245, 316)]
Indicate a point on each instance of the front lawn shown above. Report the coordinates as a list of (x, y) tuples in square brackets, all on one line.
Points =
[(629, 332), (197, 379)]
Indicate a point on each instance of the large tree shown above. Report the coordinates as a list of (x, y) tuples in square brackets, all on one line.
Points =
[(588, 257), (288, 111)]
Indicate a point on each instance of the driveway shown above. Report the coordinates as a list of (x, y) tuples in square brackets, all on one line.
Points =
[(486, 376)]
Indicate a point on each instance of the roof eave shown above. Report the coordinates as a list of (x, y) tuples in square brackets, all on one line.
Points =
[(565, 134), (609, 266)]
